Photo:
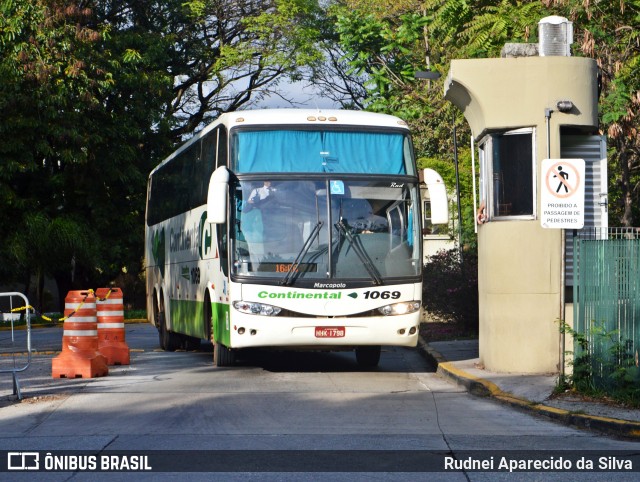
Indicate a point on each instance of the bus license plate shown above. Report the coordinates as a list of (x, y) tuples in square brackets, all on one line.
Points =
[(330, 331)]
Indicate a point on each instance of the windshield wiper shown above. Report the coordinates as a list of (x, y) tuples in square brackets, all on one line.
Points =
[(360, 252), (301, 254)]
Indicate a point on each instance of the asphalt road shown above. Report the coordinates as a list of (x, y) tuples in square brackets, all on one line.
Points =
[(276, 415)]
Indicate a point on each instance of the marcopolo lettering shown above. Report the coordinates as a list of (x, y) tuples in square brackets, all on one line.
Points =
[(330, 285), (297, 295)]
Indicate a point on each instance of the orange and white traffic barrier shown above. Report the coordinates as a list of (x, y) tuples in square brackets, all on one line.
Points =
[(80, 357), (111, 334)]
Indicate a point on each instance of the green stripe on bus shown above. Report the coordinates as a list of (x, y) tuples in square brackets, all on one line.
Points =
[(187, 317), (221, 327)]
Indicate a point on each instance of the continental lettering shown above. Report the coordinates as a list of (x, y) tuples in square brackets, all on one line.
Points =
[(183, 240), (298, 295)]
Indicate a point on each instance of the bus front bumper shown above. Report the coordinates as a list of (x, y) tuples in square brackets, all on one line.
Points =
[(264, 331)]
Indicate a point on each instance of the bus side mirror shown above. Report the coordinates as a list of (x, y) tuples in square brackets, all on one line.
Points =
[(438, 197), (217, 196)]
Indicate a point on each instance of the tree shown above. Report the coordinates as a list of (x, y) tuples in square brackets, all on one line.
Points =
[(94, 96), (220, 55), (497, 23), (607, 31), (47, 88), (41, 247)]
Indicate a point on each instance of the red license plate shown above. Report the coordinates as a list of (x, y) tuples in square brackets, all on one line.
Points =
[(330, 331)]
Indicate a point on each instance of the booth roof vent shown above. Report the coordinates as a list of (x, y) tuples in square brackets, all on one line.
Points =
[(555, 36)]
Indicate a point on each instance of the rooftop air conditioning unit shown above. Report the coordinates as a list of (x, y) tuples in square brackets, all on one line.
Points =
[(555, 36)]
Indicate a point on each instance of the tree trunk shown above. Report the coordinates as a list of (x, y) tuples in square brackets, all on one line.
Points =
[(40, 291), (625, 183), (63, 280)]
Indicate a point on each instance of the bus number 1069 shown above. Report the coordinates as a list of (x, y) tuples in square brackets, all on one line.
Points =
[(384, 295)]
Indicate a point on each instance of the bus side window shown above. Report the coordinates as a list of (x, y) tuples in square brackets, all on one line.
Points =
[(221, 155), (397, 228), (205, 166), (209, 145)]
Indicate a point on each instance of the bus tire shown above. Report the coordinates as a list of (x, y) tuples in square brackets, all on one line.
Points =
[(368, 356), (190, 343), (160, 325), (223, 356), (169, 341)]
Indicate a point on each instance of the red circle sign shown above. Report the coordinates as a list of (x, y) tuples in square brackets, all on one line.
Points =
[(567, 182)]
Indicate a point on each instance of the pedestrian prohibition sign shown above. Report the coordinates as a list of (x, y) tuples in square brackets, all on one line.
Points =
[(562, 193)]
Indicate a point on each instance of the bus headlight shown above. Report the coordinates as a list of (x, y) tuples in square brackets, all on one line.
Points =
[(256, 308), (403, 308)]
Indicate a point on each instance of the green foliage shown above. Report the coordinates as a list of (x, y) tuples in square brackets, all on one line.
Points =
[(450, 288), (604, 365), (494, 25), (288, 32), (93, 97), (49, 87), (446, 168), (607, 31), (135, 314), (43, 246), (384, 52)]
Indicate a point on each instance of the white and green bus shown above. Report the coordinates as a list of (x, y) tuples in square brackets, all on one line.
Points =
[(287, 228)]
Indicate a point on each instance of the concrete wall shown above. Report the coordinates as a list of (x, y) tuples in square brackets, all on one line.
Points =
[(497, 94), (519, 296), (520, 287)]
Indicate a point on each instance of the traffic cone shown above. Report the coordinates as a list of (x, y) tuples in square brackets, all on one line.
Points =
[(111, 335), (80, 357)]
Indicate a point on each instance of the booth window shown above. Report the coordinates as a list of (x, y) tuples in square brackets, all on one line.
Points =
[(507, 174)]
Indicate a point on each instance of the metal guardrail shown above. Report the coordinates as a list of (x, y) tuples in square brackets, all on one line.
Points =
[(8, 346)]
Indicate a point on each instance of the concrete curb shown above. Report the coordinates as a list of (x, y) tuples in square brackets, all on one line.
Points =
[(485, 388)]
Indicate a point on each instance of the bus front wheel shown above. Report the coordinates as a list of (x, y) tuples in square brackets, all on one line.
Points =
[(223, 356), (368, 356)]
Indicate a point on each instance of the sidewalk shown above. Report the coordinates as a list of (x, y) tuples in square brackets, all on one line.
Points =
[(458, 361)]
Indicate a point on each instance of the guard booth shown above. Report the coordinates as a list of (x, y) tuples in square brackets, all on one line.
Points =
[(536, 102)]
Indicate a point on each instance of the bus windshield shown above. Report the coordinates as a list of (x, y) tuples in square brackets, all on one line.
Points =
[(296, 230)]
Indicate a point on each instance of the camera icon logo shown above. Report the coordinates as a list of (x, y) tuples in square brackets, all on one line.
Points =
[(23, 461)]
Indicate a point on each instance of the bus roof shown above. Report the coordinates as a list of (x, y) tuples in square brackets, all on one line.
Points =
[(299, 117), (309, 116)]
